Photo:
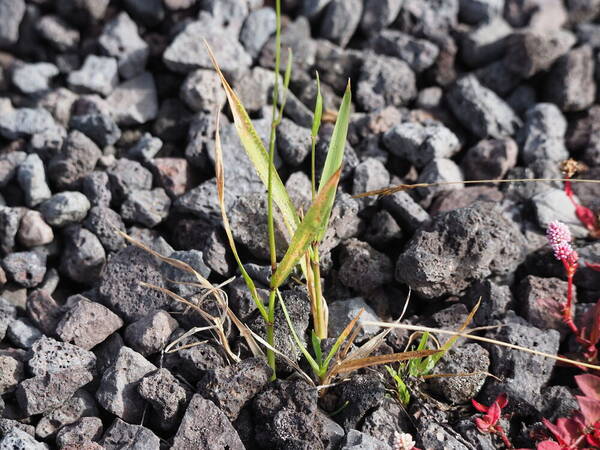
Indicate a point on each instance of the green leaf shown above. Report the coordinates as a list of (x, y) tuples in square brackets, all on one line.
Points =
[(286, 81), (256, 151), (313, 364), (335, 153), (318, 110), (316, 343), (306, 233)]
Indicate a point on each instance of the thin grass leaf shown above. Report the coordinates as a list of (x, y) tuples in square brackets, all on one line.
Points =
[(306, 232), (286, 83), (220, 177), (256, 151), (318, 110), (350, 366), (341, 338), (309, 358), (335, 153), (316, 343)]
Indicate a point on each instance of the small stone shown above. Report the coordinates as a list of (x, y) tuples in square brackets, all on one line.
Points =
[(85, 12), (98, 74), (378, 14), (486, 43), (121, 40), (19, 439), (32, 179), (145, 149), (150, 334), (175, 5), (58, 33), (193, 362), (205, 426), (122, 435), (258, 27), (340, 20), (490, 159), (383, 231), (9, 164), (101, 128), (82, 404), (127, 176), (33, 78), (298, 187), (293, 142), (355, 440), (148, 208), (363, 268), (12, 372), (342, 312), (77, 158), (364, 391), (530, 52), (83, 256), (167, 396), (468, 251), (385, 81), (95, 186), (135, 101), (87, 324), (8, 312), (311, 8), (43, 393), (79, 433), (439, 170), (9, 226), (480, 110), (570, 83), (385, 422), (52, 356), (461, 198), (103, 222), (24, 122), (173, 175), (11, 12), (43, 311), (370, 175), (178, 278), (476, 11), (173, 120), (467, 358), (33, 231), (248, 216), (542, 136), (419, 54), (118, 388), (186, 52), (25, 268), (232, 387), (553, 204), (421, 144), (430, 19), (120, 289), (22, 333), (65, 208)]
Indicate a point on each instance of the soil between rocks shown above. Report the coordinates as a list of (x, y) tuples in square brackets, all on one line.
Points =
[(107, 122)]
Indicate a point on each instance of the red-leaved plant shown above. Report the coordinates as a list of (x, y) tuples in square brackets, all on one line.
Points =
[(582, 429), (489, 422)]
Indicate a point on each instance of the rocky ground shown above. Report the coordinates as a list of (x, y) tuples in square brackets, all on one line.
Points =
[(107, 122)]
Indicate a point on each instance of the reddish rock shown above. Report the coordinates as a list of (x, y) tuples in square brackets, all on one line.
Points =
[(173, 174)]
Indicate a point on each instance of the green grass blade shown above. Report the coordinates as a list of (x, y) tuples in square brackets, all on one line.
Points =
[(310, 359), (220, 176), (335, 153), (256, 151), (316, 343), (318, 110), (286, 82), (306, 233)]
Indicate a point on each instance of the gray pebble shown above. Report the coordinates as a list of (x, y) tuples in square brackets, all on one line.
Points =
[(22, 333), (95, 186), (83, 256), (202, 91), (490, 159), (23, 122), (340, 20), (150, 334), (77, 158), (476, 11), (342, 312), (121, 40), (148, 208), (167, 396), (293, 142), (34, 78), (257, 28), (33, 231), (11, 14), (145, 148), (135, 101), (25, 268), (65, 208), (98, 74), (19, 439), (58, 33), (32, 179), (80, 405), (127, 176), (122, 434), (85, 430), (419, 54), (378, 14)]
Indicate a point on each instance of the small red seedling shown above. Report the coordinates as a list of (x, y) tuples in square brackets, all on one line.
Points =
[(489, 422), (585, 215), (582, 429)]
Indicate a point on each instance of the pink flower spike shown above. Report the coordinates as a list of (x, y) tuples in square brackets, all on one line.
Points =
[(558, 233), (562, 251)]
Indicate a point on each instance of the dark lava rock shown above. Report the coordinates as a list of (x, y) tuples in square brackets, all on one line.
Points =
[(363, 268), (151, 333), (83, 256), (364, 392), (459, 247), (285, 416), (231, 387), (122, 434), (25, 268), (167, 396), (120, 289), (205, 426)]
